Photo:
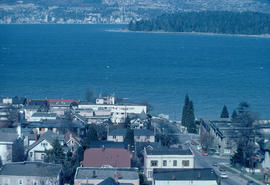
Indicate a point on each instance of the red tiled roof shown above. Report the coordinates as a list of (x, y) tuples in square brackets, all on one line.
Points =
[(115, 157)]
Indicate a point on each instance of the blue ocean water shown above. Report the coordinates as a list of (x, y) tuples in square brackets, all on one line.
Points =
[(62, 61)]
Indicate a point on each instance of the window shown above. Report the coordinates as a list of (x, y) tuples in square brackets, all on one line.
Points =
[(148, 137), (114, 137), (35, 182), (154, 163), (150, 174), (174, 162), (42, 156), (164, 163), (31, 154), (138, 137), (185, 162), (20, 181)]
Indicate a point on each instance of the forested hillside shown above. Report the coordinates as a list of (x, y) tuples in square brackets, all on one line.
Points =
[(250, 23)]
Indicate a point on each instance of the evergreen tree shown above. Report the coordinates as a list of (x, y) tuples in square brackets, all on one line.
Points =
[(129, 138), (56, 154), (91, 135), (188, 117), (185, 111), (234, 115), (224, 113), (191, 125)]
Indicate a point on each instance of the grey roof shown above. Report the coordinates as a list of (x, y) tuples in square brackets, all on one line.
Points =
[(143, 132), (48, 136), (103, 173), (108, 181), (185, 174), (169, 152), (8, 136), (30, 169), (118, 132), (44, 114), (53, 124)]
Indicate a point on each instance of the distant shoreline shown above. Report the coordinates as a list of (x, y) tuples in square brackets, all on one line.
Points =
[(193, 33)]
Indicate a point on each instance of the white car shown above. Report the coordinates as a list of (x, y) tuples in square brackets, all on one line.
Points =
[(223, 175)]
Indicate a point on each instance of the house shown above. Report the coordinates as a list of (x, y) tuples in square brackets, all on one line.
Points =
[(91, 116), (196, 176), (117, 135), (221, 134), (40, 116), (56, 126), (34, 173), (36, 151), (73, 141), (29, 110), (60, 106), (107, 157), (11, 145), (94, 176), (167, 158), (144, 135)]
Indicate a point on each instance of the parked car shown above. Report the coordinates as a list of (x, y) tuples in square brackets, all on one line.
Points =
[(215, 164), (250, 182), (222, 169), (201, 150), (205, 153), (223, 175)]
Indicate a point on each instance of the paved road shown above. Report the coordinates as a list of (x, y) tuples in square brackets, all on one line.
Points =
[(208, 161)]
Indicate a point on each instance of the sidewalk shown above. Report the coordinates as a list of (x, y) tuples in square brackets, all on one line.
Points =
[(246, 176)]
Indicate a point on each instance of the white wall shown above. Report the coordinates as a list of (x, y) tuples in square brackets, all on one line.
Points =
[(117, 139), (38, 150), (148, 169), (175, 182), (6, 152), (144, 139)]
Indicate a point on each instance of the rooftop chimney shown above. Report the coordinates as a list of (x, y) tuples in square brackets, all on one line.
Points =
[(94, 174)]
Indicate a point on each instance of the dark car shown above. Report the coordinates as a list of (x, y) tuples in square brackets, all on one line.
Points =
[(250, 182)]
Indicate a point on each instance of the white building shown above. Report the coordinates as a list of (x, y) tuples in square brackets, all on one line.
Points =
[(167, 159), (7, 145), (119, 112), (29, 110), (36, 151), (40, 116), (204, 176)]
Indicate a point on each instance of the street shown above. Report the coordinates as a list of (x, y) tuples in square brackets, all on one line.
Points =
[(208, 161)]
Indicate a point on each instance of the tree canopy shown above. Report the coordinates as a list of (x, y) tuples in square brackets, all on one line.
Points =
[(188, 117), (250, 23), (224, 112)]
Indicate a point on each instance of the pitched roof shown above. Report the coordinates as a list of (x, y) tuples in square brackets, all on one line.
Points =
[(7, 135), (44, 114), (103, 173), (118, 132), (143, 132), (30, 169), (169, 152), (70, 134), (98, 157), (108, 181), (48, 136), (185, 174)]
